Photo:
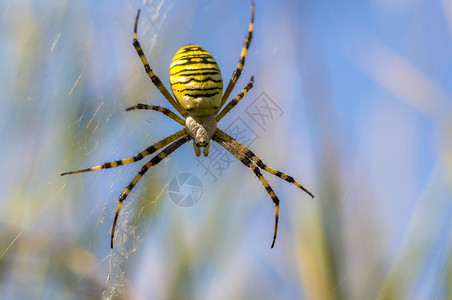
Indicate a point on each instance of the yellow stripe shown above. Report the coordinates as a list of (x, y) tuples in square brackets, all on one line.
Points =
[(119, 207), (135, 181), (244, 52)]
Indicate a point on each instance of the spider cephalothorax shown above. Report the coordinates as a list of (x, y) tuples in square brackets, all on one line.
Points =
[(201, 129), (197, 86)]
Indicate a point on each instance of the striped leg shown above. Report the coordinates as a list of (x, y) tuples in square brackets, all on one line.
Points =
[(154, 161), (250, 155), (238, 71), (272, 196), (157, 82), (160, 144), (236, 100), (240, 155), (163, 110)]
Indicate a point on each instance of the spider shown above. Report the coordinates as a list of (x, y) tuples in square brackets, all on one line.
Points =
[(197, 85)]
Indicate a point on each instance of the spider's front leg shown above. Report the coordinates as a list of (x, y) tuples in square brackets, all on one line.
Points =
[(240, 155), (238, 71), (167, 112), (155, 80)]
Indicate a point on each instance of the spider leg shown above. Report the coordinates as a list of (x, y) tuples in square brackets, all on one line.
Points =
[(273, 196), (161, 109), (158, 145), (250, 155), (240, 155), (154, 161), (157, 82), (236, 100), (235, 76)]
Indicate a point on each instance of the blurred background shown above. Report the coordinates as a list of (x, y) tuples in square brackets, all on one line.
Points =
[(352, 98)]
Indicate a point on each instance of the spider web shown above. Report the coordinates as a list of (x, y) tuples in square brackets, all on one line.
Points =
[(127, 235)]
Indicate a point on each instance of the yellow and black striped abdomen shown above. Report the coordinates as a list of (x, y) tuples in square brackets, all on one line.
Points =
[(196, 80)]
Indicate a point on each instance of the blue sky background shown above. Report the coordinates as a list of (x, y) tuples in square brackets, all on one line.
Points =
[(363, 99)]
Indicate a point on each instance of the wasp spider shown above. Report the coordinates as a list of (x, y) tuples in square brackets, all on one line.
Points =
[(197, 86)]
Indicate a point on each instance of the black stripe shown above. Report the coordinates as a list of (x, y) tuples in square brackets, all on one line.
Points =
[(137, 46), (199, 89), (151, 149), (190, 57), (201, 95), (123, 195), (259, 162), (245, 161), (192, 62), (248, 153), (199, 73), (200, 55), (193, 48), (269, 189), (196, 80), (248, 38), (200, 69)]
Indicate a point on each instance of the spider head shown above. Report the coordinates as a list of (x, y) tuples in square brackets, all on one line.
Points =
[(196, 80), (201, 130)]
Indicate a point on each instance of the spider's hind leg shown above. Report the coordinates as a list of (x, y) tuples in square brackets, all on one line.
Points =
[(240, 155), (154, 161), (272, 194), (249, 159), (253, 157), (275, 172)]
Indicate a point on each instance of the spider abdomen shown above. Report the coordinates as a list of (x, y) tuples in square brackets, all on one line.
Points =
[(196, 80)]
